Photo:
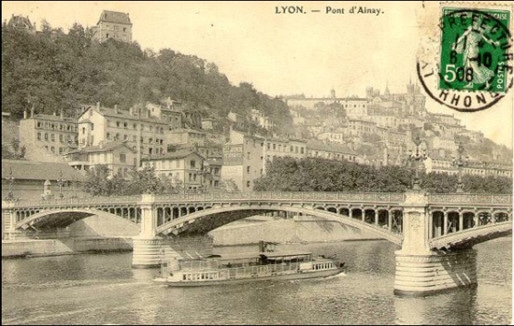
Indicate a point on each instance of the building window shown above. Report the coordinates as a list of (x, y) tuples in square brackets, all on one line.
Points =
[(52, 137), (302, 150), (268, 145), (193, 164), (38, 136), (274, 146), (247, 184), (123, 158), (247, 169)]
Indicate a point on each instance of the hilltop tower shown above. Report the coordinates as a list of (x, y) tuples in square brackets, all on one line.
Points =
[(113, 24)]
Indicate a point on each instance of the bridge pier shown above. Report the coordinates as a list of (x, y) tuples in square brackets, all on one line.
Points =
[(147, 245), (9, 231), (421, 271)]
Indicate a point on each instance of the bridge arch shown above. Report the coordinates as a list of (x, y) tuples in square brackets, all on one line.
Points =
[(470, 237), (59, 218), (239, 212)]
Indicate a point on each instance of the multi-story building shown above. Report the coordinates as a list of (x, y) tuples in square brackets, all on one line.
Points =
[(117, 156), (444, 164), (359, 127), (141, 131), (332, 151), (169, 113), (261, 119), (46, 137), (388, 121), (447, 119), (186, 136), (243, 160), (447, 144), (113, 25), (184, 168), (355, 107), (212, 173)]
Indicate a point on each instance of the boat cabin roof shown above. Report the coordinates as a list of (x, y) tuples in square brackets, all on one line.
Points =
[(253, 255)]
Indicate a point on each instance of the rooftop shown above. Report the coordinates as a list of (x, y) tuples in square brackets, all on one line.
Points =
[(117, 17), (329, 147), (31, 170), (181, 153), (102, 148)]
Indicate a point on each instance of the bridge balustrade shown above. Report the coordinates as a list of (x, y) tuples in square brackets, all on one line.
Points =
[(324, 196), (83, 201), (475, 199)]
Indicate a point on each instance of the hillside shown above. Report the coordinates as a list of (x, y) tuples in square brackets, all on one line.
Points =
[(52, 70)]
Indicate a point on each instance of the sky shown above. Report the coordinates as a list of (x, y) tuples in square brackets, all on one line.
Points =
[(282, 54)]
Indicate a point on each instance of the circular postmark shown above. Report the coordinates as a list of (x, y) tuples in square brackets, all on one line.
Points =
[(469, 67)]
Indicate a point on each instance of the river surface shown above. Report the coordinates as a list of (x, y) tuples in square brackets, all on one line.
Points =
[(104, 289)]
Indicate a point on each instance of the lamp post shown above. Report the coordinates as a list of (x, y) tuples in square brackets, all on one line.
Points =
[(459, 162), (10, 178), (416, 157), (60, 182)]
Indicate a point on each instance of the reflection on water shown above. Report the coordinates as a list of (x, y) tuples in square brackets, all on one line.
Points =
[(454, 308), (104, 289)]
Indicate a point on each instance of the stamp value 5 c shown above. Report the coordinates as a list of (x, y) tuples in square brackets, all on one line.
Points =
[(470, 69), (473, 49)]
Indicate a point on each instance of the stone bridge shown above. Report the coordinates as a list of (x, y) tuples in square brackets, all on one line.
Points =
[(435, 231)]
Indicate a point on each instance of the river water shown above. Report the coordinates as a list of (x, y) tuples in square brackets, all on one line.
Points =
[(104, 289)]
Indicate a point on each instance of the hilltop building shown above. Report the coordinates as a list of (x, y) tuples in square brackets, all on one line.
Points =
[(22, 23), (113, 24)]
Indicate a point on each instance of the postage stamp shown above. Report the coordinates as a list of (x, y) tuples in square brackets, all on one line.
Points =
[(469, 69)]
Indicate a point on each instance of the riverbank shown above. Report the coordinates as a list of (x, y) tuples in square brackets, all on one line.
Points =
[(59, 247)]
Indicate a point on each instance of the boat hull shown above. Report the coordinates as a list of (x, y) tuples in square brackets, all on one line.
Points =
[(277, 277)]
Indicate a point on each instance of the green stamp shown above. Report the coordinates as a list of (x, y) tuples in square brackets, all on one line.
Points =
[(474, 50)]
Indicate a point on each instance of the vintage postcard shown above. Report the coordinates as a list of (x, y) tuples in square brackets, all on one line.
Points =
[(310, 162)]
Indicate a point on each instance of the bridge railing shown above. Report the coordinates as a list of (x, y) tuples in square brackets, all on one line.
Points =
[(78, 201), (371, 197), (303, 196), (466, 198)]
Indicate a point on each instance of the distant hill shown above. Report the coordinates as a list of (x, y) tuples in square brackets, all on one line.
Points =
[(52, 70)]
